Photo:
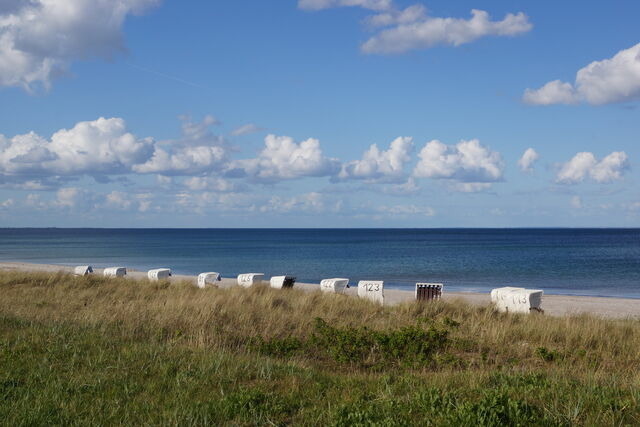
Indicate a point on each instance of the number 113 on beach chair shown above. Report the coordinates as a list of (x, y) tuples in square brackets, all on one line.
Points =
[(371, 290)]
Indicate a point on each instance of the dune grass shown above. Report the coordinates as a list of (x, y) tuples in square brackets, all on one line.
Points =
[(116, 351)]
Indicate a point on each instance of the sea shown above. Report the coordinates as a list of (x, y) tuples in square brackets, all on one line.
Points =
[(595, 262)]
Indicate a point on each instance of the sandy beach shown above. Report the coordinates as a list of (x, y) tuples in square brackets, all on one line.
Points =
[(553, 305)]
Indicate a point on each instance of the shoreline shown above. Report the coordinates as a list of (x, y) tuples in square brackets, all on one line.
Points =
[(553, 304)]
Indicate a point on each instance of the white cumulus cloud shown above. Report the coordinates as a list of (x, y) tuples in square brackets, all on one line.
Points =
[(377, 164), (602, 82), (528, 159), (465, 162), (102, 146), (419, 31), (184, 161), (39, 38), (585, 164), (197, 151), (283, 158)]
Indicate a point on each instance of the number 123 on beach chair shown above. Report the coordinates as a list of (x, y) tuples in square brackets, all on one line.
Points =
[(371, 290)]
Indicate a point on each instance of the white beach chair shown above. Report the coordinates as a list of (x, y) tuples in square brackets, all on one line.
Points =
[(114, 272), (210, 278), (334, 286), (83, 270), (280, 282), (500, 296), (517, 300), (250, 279), (159, 274), (371, 290)]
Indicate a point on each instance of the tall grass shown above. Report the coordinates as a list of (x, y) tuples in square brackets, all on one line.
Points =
[(291, 356)]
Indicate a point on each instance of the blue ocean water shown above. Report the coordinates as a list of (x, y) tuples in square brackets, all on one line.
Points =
[(603, 262)]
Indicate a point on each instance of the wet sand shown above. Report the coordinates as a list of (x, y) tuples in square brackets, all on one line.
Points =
[(554, 305)]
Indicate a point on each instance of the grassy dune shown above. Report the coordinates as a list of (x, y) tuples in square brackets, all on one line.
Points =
[(115, 351)]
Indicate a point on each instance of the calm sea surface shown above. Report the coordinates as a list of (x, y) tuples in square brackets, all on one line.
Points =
[(603, 262)]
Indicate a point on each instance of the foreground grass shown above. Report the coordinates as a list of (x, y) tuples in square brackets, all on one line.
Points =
[(91, 350)]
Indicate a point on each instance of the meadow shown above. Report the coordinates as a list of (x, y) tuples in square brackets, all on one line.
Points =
[(90, 350)]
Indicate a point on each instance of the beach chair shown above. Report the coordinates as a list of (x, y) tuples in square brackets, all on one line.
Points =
[(517, 300), (210, 278), (334, 286), (159, 274), (114, 272), (282, 282), (371, 290), (428, 291), (250, 279), (83, 270)]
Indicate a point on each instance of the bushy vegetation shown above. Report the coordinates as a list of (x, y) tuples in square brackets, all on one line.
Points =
[(112, 351)]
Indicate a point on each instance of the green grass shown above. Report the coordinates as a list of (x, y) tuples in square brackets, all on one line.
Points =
[(96, 351)]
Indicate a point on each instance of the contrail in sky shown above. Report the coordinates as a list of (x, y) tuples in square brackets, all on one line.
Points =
[(166, 76)]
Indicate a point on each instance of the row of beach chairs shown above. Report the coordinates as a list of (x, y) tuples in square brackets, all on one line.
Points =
[(371, 290), (506, 299)]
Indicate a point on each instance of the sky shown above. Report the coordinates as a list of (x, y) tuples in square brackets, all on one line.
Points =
[(319, 113)]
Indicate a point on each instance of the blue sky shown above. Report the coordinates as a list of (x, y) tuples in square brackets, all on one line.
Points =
[(250, 113)]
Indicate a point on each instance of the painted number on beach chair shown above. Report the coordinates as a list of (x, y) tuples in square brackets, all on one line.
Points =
[(372, 290), (335, 286), (517, 300), (210, 278), (250, 279)]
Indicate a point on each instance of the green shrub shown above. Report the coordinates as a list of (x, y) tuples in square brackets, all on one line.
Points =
[(285, 347), (546, 354), (496, 409), (407, 345)]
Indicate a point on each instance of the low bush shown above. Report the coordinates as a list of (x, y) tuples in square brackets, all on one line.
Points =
[(409, 345)]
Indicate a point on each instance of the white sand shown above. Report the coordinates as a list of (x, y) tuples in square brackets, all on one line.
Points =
[(554, 305)]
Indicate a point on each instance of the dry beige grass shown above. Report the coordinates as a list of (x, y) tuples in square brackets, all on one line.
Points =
[(230, 318), (190, 354)]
